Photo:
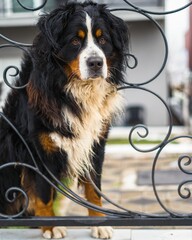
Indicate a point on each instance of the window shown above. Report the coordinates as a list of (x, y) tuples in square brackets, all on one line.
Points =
[(50, 5), (10, 7), (16, 8), (1, 7)]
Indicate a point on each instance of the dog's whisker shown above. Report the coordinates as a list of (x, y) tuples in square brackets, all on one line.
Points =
[(73, 75)]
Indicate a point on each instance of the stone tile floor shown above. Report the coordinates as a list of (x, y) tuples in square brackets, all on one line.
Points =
[(127, 181)]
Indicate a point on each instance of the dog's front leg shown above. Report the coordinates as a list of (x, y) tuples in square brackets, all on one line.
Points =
[(42, 209), (93, 197)]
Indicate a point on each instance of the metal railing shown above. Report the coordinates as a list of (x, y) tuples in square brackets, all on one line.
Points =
[(122, 216)]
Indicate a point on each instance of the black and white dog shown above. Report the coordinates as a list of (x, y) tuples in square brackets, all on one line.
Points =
[(75, 65)]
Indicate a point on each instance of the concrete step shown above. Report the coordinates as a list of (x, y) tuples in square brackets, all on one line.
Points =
[(84, 234)]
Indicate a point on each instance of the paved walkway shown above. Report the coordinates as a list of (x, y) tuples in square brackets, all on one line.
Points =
[(127, 175), (84, 234)]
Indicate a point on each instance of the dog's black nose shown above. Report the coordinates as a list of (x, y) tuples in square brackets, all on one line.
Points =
[(95, 63)]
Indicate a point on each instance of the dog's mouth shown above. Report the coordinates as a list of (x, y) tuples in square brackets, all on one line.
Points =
[(94, 76)]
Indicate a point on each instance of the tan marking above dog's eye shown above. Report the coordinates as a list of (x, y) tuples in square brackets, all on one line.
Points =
[(81, 34), (98, 33)]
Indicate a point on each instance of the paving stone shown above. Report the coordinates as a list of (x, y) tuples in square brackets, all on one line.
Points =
[(143, 201), (162, 177)]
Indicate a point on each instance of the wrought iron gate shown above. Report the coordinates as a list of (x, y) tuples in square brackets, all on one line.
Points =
[(121, 217)]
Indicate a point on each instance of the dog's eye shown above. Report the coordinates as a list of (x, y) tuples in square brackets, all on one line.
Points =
[(102, 40), (76, 41)]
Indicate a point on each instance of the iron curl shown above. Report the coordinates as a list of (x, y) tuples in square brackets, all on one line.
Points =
[(145, 128), (32, 9), (181, 163), (135, 61), (11, 196), (184, 192), (7, 69), (15, 68)]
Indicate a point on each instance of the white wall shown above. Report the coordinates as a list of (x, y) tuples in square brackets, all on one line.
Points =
[(148, 47)]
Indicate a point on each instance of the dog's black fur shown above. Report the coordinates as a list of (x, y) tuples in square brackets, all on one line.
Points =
[(37, 110)]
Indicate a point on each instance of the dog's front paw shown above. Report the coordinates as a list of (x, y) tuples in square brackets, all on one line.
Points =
[(55, 232), (102, 232)]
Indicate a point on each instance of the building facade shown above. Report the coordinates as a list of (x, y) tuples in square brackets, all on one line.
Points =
[(146, 44)]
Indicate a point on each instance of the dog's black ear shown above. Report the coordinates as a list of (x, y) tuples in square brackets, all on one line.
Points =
[(52, 25), (118, 30)]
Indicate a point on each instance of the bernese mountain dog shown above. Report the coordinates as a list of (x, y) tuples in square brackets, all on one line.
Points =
[(72, 72)]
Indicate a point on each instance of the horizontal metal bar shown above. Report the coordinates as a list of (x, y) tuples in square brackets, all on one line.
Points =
[(96, 221)]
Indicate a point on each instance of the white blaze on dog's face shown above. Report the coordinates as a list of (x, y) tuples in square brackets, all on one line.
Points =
[(92, 60)]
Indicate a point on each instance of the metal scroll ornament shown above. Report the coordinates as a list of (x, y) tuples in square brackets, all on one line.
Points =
[(183, 190)]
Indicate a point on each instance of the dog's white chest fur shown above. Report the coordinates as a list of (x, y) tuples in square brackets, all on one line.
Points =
[(100, 101)]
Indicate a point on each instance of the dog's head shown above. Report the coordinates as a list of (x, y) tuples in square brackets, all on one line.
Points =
[(86, 40), (80, 47)]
